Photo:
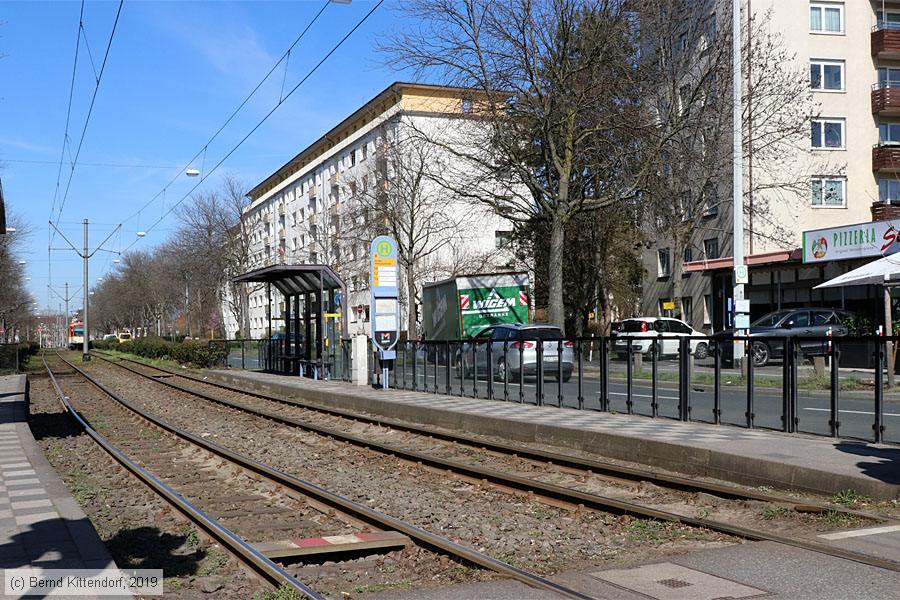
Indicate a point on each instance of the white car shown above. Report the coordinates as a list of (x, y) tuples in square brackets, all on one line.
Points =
[(642, 330)]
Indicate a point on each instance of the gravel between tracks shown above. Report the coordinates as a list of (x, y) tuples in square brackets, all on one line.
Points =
[(139, 528), (517, 529)]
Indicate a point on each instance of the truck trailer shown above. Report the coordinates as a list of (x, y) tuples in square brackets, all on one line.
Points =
[(460, 307)]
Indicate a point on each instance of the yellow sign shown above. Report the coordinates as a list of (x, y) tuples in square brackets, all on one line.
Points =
[(668, 305), (332, 315), (384, 248), (384, 262)]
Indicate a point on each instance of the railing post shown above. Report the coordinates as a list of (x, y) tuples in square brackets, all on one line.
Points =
[(684, 380), (474, 369), (878, 426), (461, 368), (437, 359), (580, 349), (559, 374), (654, 366), (628, 374), (604, 373), (748, 356), (788, 351), (447, 366), (242, 355), (489, 362), (521, 371), (717, 381), (506, 370), (415, 375), (835, 421), (539, 384)]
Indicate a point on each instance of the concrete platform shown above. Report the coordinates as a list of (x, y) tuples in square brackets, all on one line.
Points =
[(751, 457), (41, 525)]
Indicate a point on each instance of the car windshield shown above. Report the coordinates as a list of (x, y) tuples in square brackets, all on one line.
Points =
[(633, 326), (771, 319)]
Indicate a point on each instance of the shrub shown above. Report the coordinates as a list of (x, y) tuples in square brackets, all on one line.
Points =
[(190, 352)]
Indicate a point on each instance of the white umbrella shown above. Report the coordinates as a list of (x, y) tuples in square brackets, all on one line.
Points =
[(884, 271)]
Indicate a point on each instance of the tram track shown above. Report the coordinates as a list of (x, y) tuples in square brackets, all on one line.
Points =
[(513, 481), (353, 511)]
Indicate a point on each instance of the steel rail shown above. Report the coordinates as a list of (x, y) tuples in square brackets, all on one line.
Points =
[(424, 537), (564, 460), (571, 496), (245, 552)]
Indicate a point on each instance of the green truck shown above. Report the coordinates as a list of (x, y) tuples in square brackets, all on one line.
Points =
[(461, 307)]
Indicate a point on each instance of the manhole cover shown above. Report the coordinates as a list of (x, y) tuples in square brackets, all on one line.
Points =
[(668, 581)]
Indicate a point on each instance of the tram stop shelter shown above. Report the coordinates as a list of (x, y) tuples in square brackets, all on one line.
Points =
[(313, 319)]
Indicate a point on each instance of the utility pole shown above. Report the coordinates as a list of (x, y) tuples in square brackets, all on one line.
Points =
[(86, 347), (740, 270)]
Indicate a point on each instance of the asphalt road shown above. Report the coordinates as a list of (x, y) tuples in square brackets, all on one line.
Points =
[(856, 407)]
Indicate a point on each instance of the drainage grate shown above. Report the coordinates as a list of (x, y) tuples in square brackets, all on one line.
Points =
[(674, 583), (669, 581)]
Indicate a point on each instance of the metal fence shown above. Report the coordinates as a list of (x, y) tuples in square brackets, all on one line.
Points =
[(818, 385), (9, 359)]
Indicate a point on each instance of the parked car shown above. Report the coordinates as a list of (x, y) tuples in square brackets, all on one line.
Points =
[(521, 351), (642, 330), (796, 323), (110, 336)]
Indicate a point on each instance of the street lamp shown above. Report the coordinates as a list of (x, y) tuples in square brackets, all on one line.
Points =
[(192, 172), (141, 233)]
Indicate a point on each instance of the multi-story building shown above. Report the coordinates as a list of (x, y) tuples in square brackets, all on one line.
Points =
[(325, 205), (849, 53)]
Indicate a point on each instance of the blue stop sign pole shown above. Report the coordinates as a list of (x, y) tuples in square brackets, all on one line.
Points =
[(385, 306)]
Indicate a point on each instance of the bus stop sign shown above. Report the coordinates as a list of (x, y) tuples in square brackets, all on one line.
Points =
[(383, 277)]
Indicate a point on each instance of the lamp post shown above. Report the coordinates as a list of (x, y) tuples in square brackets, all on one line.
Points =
[(740, 273)]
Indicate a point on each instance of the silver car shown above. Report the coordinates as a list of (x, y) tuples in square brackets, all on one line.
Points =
[(521, 352)]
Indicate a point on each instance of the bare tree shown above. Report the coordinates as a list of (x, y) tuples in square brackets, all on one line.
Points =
[(553, 103), (15, 301)]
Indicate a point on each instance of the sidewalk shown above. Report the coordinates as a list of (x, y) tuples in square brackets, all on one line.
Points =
[(41, 525), (751, 457)]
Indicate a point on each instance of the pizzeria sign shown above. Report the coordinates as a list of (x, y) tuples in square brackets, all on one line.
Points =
[(876, 238)]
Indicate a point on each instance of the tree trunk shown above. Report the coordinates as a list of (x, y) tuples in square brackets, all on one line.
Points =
[(410, 301), (557, 313)]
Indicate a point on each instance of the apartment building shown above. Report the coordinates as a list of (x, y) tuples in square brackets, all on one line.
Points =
[(850, 52), (318, 207)]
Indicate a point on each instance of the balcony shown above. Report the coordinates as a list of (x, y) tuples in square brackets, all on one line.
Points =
[(886, 99), (886, 40), (882, 211), (886, 159)]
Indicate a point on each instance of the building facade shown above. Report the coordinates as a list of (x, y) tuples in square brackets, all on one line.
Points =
[(849, 55), (375, 171)]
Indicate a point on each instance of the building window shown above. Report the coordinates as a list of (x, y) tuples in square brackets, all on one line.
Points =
[(688, 255), (889, 191), (711, 248), (826, 75), (502, 239), (827, 134), (365, 151), (828, 191), (353, 158), (664, 265), (891, 21), (467, 105), (707, 309), (889, 134), (687, 309), (826, 17)]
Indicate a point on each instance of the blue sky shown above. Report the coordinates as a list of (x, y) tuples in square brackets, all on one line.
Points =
[(175, 72)]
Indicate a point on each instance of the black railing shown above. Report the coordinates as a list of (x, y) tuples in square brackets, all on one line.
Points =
[(817, 385)]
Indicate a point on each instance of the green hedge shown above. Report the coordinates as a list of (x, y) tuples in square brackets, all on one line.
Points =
[(196, 353)]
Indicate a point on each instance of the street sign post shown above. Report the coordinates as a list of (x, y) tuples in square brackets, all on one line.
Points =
[(384, 308)]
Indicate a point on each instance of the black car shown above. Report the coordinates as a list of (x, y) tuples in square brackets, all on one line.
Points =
[(796, 323)]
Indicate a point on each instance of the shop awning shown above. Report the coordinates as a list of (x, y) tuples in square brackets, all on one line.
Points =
[(884, 271)]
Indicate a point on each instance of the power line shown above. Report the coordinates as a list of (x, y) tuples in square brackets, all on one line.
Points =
[(87, 164), (87, 119), (240, 106), (263, 120)]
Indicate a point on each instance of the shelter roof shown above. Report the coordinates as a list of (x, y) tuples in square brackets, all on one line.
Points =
[(294, 279)]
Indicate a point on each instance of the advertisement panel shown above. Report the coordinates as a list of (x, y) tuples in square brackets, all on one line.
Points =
[(877, 238), (482, 307)]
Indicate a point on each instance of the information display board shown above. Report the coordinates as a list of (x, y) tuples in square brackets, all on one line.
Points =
[(383, 277)]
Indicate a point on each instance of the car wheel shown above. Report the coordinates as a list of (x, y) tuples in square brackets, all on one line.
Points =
[(567, 376), (761, 354), (701, 351)]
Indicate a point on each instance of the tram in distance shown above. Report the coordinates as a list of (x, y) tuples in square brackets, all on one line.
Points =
[(76, 335)]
